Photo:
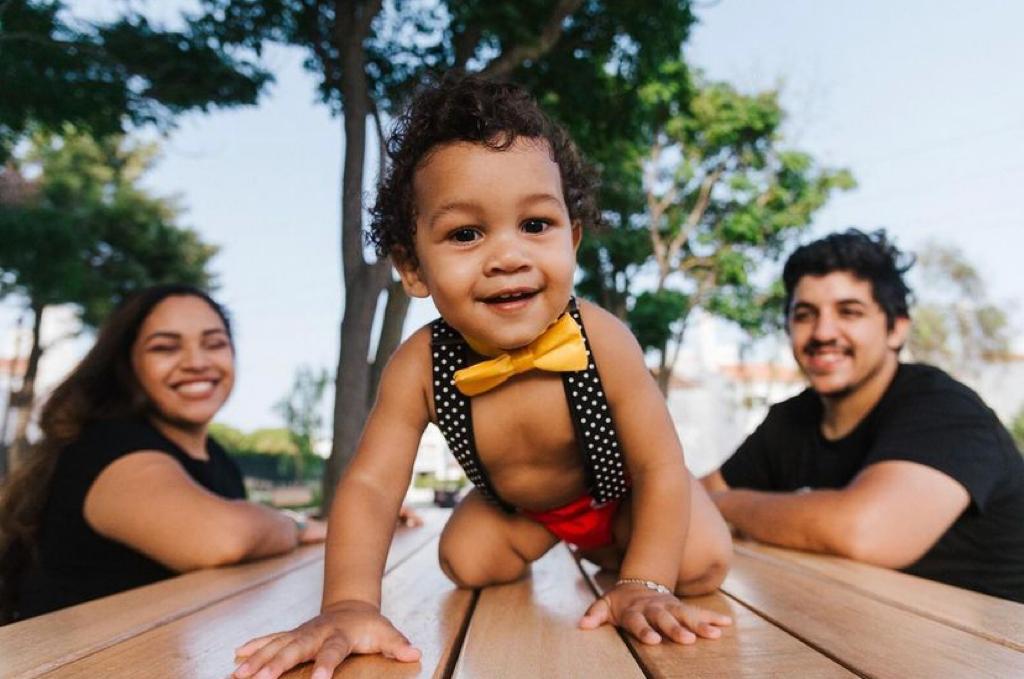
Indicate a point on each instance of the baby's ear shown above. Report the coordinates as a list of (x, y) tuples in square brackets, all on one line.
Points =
[(577, 234), (409, 272)]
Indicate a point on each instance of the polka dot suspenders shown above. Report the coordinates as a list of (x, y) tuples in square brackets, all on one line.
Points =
[(595, 432)]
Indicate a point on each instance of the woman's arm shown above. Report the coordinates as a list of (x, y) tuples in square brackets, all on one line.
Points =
[(147, 501)]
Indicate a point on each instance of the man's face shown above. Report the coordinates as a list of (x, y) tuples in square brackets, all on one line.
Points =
[(495, 245), (839, 333)]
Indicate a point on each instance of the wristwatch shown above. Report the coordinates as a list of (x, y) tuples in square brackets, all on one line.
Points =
[(299, 518)]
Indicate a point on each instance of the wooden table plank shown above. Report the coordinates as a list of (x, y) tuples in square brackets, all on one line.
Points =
[(199, 646), (751, 647), (989, 617), (32, 647), (868, 636), (529, 629)]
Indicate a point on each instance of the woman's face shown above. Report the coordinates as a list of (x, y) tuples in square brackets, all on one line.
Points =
[(184, 361)]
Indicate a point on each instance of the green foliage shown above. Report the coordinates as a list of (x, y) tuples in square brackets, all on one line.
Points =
[(301, 410), (269, 454), (653, 315), (408, 40), (84, 232), (1017, 429), (955, 325), (607, 261), (99, 76), (267, 441), (716, 194), (757, 311)]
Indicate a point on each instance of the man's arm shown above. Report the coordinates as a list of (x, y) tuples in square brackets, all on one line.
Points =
[(714, 483), (889, 515)]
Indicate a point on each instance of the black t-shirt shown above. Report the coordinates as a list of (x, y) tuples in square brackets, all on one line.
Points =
[(77, 564), (925, 416)]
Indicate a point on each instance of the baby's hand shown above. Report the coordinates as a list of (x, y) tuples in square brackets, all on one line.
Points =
[(342, 629), (649, 615)]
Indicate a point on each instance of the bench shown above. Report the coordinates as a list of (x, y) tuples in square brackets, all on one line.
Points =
[(796, 614)]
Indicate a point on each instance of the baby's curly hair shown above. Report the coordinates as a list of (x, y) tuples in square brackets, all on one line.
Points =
[(465, 108)]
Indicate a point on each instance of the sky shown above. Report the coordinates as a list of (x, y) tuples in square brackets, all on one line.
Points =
[(921, 100)]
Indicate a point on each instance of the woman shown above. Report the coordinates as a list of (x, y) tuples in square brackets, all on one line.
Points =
[(126, 487)]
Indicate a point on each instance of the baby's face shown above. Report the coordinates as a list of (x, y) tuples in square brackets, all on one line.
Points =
[(496, 248)]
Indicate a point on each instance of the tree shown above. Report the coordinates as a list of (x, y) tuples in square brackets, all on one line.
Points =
[(99, 76), (368, 56), (301, 410), (955, 326), (83, 232), (719, 193)]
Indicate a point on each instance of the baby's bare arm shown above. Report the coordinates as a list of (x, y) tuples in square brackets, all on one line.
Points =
[(369, 495), (360, 527), (654, 456), (661, 499)]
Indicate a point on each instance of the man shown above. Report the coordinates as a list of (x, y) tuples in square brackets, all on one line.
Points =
[(894, 464)]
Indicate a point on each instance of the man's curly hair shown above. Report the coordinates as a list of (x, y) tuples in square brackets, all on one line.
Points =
[(871, 257), (464, 108)]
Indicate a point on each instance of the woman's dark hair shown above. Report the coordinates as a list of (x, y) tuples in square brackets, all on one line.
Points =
[(465, 108), (870, 257), (103, 386)]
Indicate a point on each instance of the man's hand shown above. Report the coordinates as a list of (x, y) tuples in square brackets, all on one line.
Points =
[(649, 616), (341, 630)]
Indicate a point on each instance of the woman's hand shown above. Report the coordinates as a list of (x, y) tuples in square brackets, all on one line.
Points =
[(314, 531), (342, 629), (408, 517), (649, 616)]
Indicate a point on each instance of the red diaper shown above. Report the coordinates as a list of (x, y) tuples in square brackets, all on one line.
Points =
[(581, 522)]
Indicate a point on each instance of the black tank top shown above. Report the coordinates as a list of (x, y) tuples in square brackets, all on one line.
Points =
[(603, 464), (77, 564)]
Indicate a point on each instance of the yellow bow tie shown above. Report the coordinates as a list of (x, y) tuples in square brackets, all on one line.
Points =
[(559, 349)]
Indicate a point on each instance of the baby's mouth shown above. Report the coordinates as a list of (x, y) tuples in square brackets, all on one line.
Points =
[(512, 296)]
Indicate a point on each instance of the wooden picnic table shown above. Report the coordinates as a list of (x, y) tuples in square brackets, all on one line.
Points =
[(796, 615)]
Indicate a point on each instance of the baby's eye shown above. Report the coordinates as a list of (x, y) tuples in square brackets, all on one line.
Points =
[(464, 235), (536, 225)]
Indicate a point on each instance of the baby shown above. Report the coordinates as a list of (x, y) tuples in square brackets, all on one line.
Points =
[(544, 400)]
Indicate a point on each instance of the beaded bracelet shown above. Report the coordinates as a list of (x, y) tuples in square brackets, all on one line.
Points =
[(649, 584)]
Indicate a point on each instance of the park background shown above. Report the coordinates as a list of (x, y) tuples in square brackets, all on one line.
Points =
[(917, 101)]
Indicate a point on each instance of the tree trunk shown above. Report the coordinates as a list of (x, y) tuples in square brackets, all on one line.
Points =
[(667, 363), (363, 281), (664, 370), (390, 335), (21, 401)]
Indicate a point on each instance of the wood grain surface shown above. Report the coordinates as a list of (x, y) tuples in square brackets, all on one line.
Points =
[(867, 635), (530, 629), (999, 620)]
